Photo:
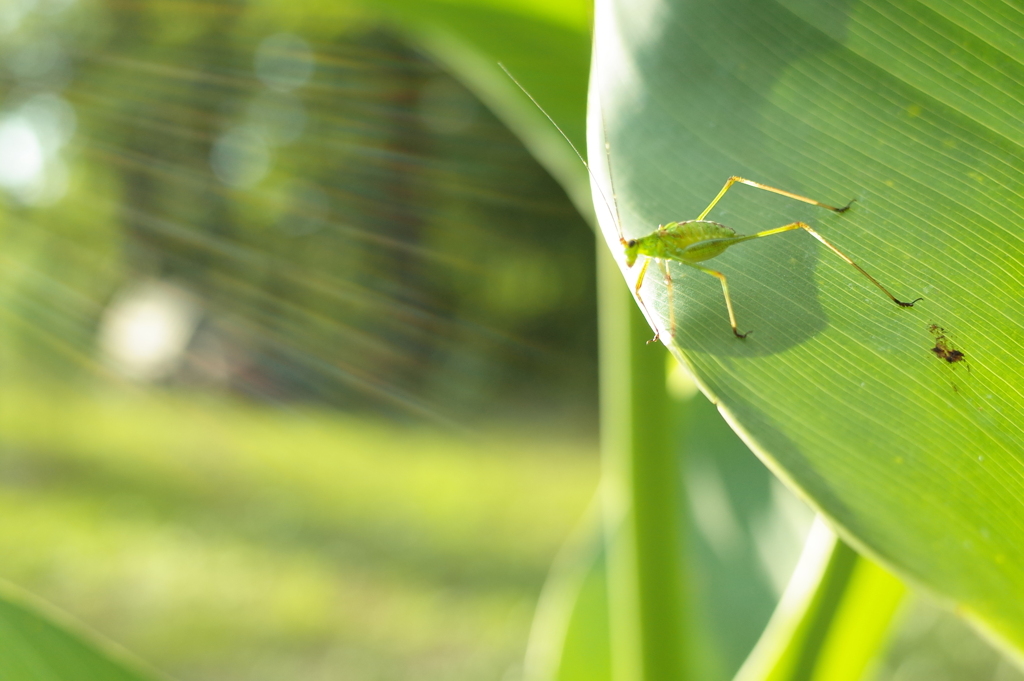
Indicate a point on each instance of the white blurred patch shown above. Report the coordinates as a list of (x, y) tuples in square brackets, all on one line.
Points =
[(240, 157), (21, 154), (283, 61), (31, 137), (147, 328)]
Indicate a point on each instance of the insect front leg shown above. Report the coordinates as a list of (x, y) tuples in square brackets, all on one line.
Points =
[(671, 306), (636, 289)]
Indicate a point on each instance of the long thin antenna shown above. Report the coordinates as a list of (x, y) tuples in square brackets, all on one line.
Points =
[(608, 162), (586, 165)]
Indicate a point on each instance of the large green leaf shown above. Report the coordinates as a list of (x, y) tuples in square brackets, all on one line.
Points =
[(912, 108), (36, 646)]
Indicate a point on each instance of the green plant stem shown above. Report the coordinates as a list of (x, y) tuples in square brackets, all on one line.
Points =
[(832, 619), (642, 491)]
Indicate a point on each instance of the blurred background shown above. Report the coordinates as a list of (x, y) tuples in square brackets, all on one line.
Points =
[(275, 309), (298, 356)]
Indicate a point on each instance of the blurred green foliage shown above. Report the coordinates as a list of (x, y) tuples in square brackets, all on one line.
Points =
[(333, 225), (324, 198)]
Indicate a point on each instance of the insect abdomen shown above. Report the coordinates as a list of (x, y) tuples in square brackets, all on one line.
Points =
[(699, 230), (676, 241)]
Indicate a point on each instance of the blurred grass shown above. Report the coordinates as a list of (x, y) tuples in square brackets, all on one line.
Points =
[(225, 540)]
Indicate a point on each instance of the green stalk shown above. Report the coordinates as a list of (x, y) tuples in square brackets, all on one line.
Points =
[(642, 493), (831, 621)]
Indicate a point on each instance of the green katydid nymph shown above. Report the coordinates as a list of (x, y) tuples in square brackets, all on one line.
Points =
[(691, 242)]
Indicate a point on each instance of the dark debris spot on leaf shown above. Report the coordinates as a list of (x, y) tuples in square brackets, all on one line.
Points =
[(944, 347)]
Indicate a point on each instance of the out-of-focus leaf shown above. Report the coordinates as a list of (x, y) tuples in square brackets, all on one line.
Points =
[(861, 624), (832, 620), (34, 646), (569, 640), (745, 536), (912, 108), (546, 46)]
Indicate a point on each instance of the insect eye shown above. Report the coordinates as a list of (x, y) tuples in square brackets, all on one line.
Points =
[(631, 243)]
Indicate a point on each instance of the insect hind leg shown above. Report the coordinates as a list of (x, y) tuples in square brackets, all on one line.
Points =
[(823, 240)]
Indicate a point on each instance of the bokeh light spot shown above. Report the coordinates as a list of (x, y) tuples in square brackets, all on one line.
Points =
[(240, 157), (21, 153), (284, 61)]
